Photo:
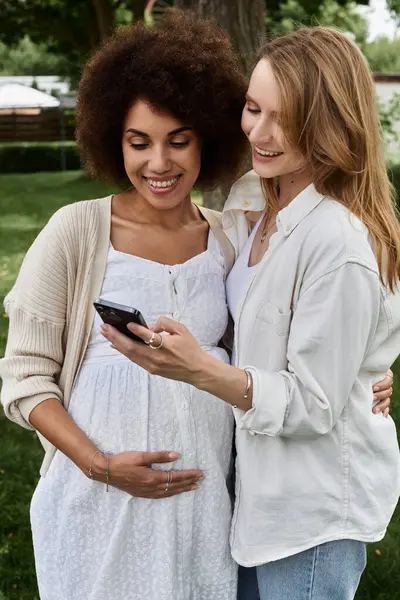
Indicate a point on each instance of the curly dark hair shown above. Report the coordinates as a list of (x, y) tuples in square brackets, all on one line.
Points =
[(186, 68)]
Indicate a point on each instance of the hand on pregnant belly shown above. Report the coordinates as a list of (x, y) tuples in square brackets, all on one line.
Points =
[(132, 473)]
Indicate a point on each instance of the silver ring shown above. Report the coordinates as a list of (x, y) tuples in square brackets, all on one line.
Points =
[(152, 340)]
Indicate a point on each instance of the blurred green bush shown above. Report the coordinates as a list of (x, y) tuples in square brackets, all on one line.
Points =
[(394, 173), (33, 157)]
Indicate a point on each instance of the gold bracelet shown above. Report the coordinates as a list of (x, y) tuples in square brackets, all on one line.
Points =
[(248, 386), (90, 471), (249, 382)]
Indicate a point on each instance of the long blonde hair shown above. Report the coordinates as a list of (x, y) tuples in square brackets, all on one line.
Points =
[(329, 112)]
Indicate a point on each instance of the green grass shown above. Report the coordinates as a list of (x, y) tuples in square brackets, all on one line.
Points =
[(26, 203)]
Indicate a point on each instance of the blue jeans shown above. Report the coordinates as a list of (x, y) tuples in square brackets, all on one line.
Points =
[(331, 571), (247, 584)]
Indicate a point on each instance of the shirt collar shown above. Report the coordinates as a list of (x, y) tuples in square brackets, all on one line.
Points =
[(246, 194), (299, 208)]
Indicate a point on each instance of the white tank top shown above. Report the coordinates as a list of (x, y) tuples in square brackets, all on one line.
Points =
[(241, 275)]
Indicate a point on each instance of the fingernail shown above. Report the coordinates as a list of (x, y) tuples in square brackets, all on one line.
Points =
[(376, 388), (173, 455), (376, 410), (375, 397), (194, 487), (201, 477)]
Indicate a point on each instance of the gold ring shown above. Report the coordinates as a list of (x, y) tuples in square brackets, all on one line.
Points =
[(152, 340)]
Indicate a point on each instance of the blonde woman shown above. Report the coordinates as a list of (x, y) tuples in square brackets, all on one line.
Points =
[(314, 295)]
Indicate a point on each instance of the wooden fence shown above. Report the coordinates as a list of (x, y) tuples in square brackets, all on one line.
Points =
[(36, 125)]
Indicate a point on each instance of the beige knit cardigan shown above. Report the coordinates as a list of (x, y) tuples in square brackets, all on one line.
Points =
[(51, 311)]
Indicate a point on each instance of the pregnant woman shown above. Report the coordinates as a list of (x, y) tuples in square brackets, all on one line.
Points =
[(105, 523)]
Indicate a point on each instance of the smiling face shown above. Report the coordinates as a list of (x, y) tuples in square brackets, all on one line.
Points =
[(272, 155), (162, 156)]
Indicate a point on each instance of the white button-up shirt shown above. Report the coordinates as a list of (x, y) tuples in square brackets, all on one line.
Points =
[(317, 329)]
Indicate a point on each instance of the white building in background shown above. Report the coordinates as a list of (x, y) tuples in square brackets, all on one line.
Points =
[(18, 97), (45, 83), (49, 84)]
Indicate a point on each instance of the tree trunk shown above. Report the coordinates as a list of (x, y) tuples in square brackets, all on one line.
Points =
[(104, 12), (138, 7), (244, 21)]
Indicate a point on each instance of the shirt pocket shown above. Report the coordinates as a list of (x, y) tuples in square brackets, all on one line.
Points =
[(269, 339)]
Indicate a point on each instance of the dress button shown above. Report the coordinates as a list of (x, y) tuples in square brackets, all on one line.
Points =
[(288, 228), (246, 203), (185, 406), (176, 315)]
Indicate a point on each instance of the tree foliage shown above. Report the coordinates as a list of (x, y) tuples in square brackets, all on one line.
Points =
[(72, 30), (389, 115), (344, 15), (394, 8), (383, 55), (28, 58), (283, 15)]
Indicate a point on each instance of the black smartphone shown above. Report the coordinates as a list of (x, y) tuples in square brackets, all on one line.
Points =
[(119, 316)]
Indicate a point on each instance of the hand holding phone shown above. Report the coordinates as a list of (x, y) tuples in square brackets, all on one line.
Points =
[(119, 316)]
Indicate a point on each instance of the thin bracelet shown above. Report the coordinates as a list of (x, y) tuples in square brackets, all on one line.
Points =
[(107, 471), (248, 386), (249, 382), (90, 472)]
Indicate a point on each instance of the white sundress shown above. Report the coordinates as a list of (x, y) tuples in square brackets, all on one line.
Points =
[(93, 545)]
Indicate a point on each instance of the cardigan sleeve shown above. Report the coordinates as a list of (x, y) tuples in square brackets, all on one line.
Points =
[(37, 307)]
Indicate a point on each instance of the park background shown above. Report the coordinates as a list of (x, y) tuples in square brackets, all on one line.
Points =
[(43, 44)]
